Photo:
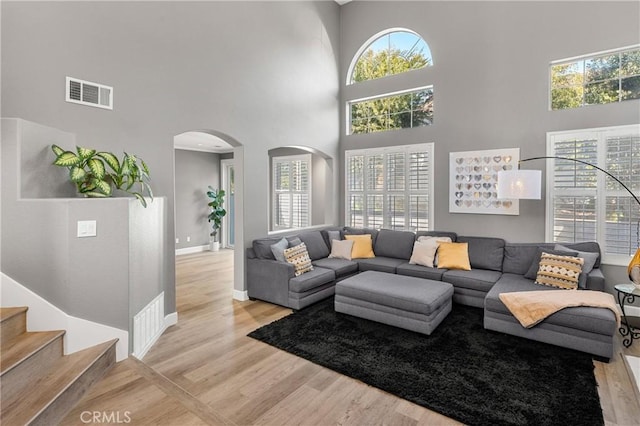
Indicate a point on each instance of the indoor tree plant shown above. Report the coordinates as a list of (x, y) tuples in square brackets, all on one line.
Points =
[(216, 201), (89, 172)]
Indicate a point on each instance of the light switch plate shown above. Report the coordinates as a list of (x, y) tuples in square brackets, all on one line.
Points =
[(87, 228)]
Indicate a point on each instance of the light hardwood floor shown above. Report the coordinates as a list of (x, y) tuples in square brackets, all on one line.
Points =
[(205, 370)]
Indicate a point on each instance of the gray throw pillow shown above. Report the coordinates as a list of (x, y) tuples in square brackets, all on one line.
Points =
[(532, 273), (588, 256), (294, 241), (334, 235), (278, 249)]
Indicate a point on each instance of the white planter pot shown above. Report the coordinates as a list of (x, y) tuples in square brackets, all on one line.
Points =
[(214, 245)]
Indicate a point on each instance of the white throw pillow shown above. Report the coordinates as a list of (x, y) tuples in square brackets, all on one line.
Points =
[(425, 250), (341, 249)]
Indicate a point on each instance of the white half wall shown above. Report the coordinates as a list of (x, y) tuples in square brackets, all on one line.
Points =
[(42, 315)]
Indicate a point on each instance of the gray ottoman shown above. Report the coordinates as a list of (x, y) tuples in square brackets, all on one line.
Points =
[(415, 304)]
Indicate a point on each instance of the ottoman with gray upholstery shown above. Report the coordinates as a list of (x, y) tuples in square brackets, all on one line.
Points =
[(415, 304)]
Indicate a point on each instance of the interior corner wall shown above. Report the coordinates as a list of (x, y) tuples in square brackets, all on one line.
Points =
[(265, 73), (195, 171), (491, 85)]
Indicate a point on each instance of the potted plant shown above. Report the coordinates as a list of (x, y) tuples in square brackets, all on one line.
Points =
[(89, 172), (216, 201)]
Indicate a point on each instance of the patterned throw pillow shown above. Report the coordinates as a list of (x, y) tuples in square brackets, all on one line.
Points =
[(298, 256), (559, 271)]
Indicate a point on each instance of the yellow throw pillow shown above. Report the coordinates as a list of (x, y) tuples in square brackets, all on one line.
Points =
[(454, 256), (362, 246)]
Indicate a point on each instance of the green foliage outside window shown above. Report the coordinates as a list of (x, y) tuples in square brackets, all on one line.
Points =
[(596, 80)]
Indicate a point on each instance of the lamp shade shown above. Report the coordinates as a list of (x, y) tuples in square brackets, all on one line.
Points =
[(520, 184)]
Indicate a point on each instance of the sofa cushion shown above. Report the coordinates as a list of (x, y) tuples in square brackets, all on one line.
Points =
[(311, 280), (382, 264), (397, 244), (420, 271), (451, 235), (341, 267), (518, 257), (332, 233), (532, 272), (262, 247), (316, 246), (424, 252), (278, 249), (299, 258), (475, 279), (362, 246), (454, 256), (348, 230), (559, 271), (341, 249), (593, 320), (590, 258), (485, 252)]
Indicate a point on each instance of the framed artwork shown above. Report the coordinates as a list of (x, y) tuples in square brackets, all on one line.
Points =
[(473, 176)]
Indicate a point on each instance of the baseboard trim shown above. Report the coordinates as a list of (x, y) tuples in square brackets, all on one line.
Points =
[(171, 319), (43, 315), (190, 250), (240, 295)]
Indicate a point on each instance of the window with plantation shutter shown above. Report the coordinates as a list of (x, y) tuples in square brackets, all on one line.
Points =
[(291, 192), (389, 187), (585, 204)]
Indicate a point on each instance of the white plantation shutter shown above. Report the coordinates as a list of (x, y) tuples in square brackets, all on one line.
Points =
[(396, 190), (584, 203), (291, 192)]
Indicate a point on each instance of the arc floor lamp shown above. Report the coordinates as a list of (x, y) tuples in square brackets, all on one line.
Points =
[(527, 184)]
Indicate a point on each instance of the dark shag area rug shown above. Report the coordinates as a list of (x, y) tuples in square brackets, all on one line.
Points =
[(463, 371)]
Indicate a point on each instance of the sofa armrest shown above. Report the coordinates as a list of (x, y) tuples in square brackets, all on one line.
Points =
[(268, 280), (595, 280)]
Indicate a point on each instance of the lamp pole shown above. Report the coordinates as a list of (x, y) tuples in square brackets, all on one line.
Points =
[(588, 164)]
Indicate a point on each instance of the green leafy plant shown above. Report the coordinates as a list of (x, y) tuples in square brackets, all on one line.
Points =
[(216, 197), (89, 172)]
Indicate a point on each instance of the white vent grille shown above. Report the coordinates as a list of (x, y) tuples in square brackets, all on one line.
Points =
[(148, 325), (89, 93)]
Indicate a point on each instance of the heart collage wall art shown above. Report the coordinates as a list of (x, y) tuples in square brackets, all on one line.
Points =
[(473, 179)]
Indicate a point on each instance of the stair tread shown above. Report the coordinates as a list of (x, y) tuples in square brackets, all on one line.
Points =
[(6, 313), (23, 346), (62, 374)]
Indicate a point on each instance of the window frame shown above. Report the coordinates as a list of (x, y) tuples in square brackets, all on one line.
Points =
[(407, 192), (584, 59), (363, 48), (600, 134), (275, 192), (349, 104)]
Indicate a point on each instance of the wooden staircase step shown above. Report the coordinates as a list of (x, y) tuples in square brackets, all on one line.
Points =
[(49, 398), (13, 322), (27, 357), (26, 346)]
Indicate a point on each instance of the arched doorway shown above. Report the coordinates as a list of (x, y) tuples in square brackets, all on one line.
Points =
[(226, 148)]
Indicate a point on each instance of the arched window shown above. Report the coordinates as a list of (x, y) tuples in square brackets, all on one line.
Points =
[(392, 52)]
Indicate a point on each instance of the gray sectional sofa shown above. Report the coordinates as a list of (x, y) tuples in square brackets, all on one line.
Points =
[(497, 267)]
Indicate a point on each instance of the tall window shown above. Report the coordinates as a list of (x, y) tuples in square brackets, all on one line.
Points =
[(596, 79), (291, 192), (390, 187), (391, 52), (388, 53), (406, 110), (585, 204)]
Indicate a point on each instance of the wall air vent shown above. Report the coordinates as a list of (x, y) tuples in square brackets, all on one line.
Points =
[(88, 93)]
